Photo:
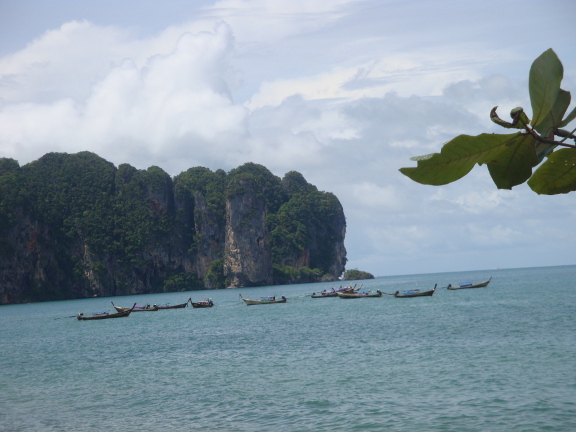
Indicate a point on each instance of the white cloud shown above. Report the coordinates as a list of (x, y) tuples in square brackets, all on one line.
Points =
[(475, 201), (502, 235), (398, 73), (256, 21), (62, 63), (163, 106), (378, 198)]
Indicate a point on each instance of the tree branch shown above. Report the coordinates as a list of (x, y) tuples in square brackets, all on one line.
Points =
[(537, 137), (516, 118)]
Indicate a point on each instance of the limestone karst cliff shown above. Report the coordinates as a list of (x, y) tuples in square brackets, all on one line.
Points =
[(75, 226)]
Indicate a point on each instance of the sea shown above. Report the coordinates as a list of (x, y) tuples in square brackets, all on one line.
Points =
[(500, 358)]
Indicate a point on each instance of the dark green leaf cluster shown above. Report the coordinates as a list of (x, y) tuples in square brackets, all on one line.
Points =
[(510, 158)]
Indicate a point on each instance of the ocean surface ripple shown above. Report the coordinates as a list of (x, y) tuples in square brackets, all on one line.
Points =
[(500, 358)]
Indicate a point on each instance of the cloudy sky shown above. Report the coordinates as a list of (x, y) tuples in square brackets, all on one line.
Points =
[(343, 91)]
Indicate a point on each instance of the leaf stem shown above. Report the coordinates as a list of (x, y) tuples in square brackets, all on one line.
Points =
[(570, 135), (537, 137)]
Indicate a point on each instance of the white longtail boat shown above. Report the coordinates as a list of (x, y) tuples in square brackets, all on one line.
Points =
[(263, 300)]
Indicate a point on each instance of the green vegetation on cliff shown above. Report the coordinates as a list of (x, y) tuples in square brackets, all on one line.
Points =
[(355, 274), (74, 225), (264, 182)]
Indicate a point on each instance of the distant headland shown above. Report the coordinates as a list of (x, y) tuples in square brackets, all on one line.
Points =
[(76, 226), (355, 274)]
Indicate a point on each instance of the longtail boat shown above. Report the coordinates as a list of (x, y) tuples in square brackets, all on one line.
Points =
[(470, 285), (104, 315), (168, 306), (202, 303), (415, 293), (263, 300), (352, 295), (334, 292), (138, 308)]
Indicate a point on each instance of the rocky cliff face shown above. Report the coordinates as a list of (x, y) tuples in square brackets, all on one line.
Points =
[(32, 264), (247, 259), (209, 236), (74, 226)]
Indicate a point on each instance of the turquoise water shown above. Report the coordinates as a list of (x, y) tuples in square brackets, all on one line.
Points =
[(501, 358)]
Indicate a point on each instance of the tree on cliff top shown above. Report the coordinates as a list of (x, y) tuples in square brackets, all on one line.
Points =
[(211, 185), (74, 194), (11, 192), (263, 181), (141, 219)]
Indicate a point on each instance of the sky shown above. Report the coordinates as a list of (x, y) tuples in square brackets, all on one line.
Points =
[(343, 91)]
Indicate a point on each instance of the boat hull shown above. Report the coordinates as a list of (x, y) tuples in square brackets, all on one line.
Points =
[(334, 293), (100, 317), (478, 285), (358, 295), (135, 309), (429, 293), (180, 306), (422, 294), (202, 305), (251, 302)]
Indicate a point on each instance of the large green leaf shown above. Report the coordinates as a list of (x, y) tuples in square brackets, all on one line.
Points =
[(459, 156), (556, 175), (569, 118), (545, 77), (554, 117), (514, 165), (552, 121)]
